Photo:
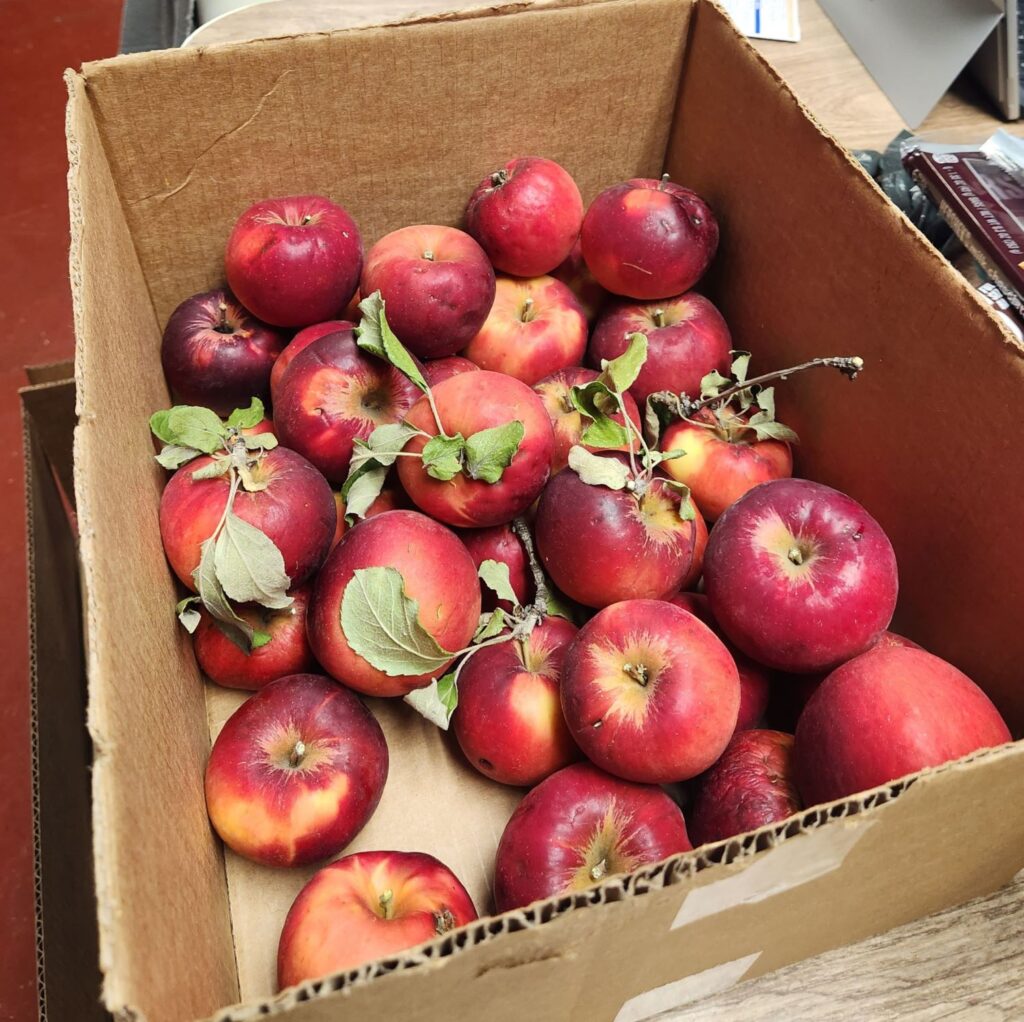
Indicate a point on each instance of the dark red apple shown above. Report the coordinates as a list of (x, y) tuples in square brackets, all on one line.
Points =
[(216, 354), (296, 772), (334, 393), (568, 424), (526, 216), (302, 340), (288, 652), (686, 339), (573, 271), (649, 692), (438, 369), (296, 511), (722, 458), (468, 404), (535, 327), (648, 239), (294, 261), (800, 577), (579, 827), (366, 906), (885, 714), (601, 546), (437, 572), (437, 284), (755, 680), (509, 721), (500, 543), (750, 786)]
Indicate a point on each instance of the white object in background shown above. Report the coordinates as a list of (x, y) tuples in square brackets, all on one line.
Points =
[(207, 10), (766, 19)]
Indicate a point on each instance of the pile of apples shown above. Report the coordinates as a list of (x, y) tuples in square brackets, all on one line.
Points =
[(486, 488)]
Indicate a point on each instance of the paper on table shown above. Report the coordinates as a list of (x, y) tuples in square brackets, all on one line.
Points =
[(766, 19)]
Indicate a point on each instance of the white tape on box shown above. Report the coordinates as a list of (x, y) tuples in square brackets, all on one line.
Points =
[(686, 990), (794, 862)]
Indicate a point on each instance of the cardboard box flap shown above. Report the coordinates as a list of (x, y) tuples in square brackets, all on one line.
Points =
[(160, 886), (812, 263)]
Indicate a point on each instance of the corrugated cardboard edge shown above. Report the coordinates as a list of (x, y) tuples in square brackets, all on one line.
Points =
[(683, 870)]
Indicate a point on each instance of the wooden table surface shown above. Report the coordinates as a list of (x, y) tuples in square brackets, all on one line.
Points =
[(962, 965)]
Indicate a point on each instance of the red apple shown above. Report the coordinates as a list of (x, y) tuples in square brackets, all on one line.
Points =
[(601, 546), (334, 393), (216, 354), (722, 459), (366, 906), (750, 786), (526, 216), (649, 692), (468, 404), (800, 577), (500, 543), (648, 239), (302, 340), (288, 652), (686, 339), (568, 424), (535, 327), (437, 284), (437, 573), (700, 544), (294, 261), (295, 772), (578, 827), (295, 510), (573, 271), (438, 369), (755, 680), (509, 720), (887, 713)]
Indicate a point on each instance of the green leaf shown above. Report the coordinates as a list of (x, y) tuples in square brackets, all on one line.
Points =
[(383, 446), (375, 335), (598, 403), (490, 625), (437, 701), (249, 566), (158, 425), (260, 441), (711, 384), (214, 469), (558, 606), (381, 624), (598, 471), (622, 372), (766, 402), (687, 511), (172, 456), (192, 426), (442, 456), (490, 452), (361, 490), (260, 639), (213, 598), (770, 430), (246, 418), (494, 575), (740, 365), (606, 434), (187, 613)]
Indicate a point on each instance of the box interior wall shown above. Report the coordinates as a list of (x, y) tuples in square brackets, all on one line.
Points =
[(167, 148)]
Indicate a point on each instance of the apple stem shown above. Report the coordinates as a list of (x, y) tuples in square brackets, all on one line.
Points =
[(499, 177), (525, 316), (663, 182), (638, 672), (298, 751), (539, 607), (659, 317), (598, 871), (222, 326), (385, 900), (429, 255), (306, 219), (848, 365), (795, 554)]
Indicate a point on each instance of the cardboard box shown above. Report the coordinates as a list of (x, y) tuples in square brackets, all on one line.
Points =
[(398, 123)]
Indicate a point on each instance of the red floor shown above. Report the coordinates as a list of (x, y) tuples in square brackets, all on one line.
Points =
[(41, 39)]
